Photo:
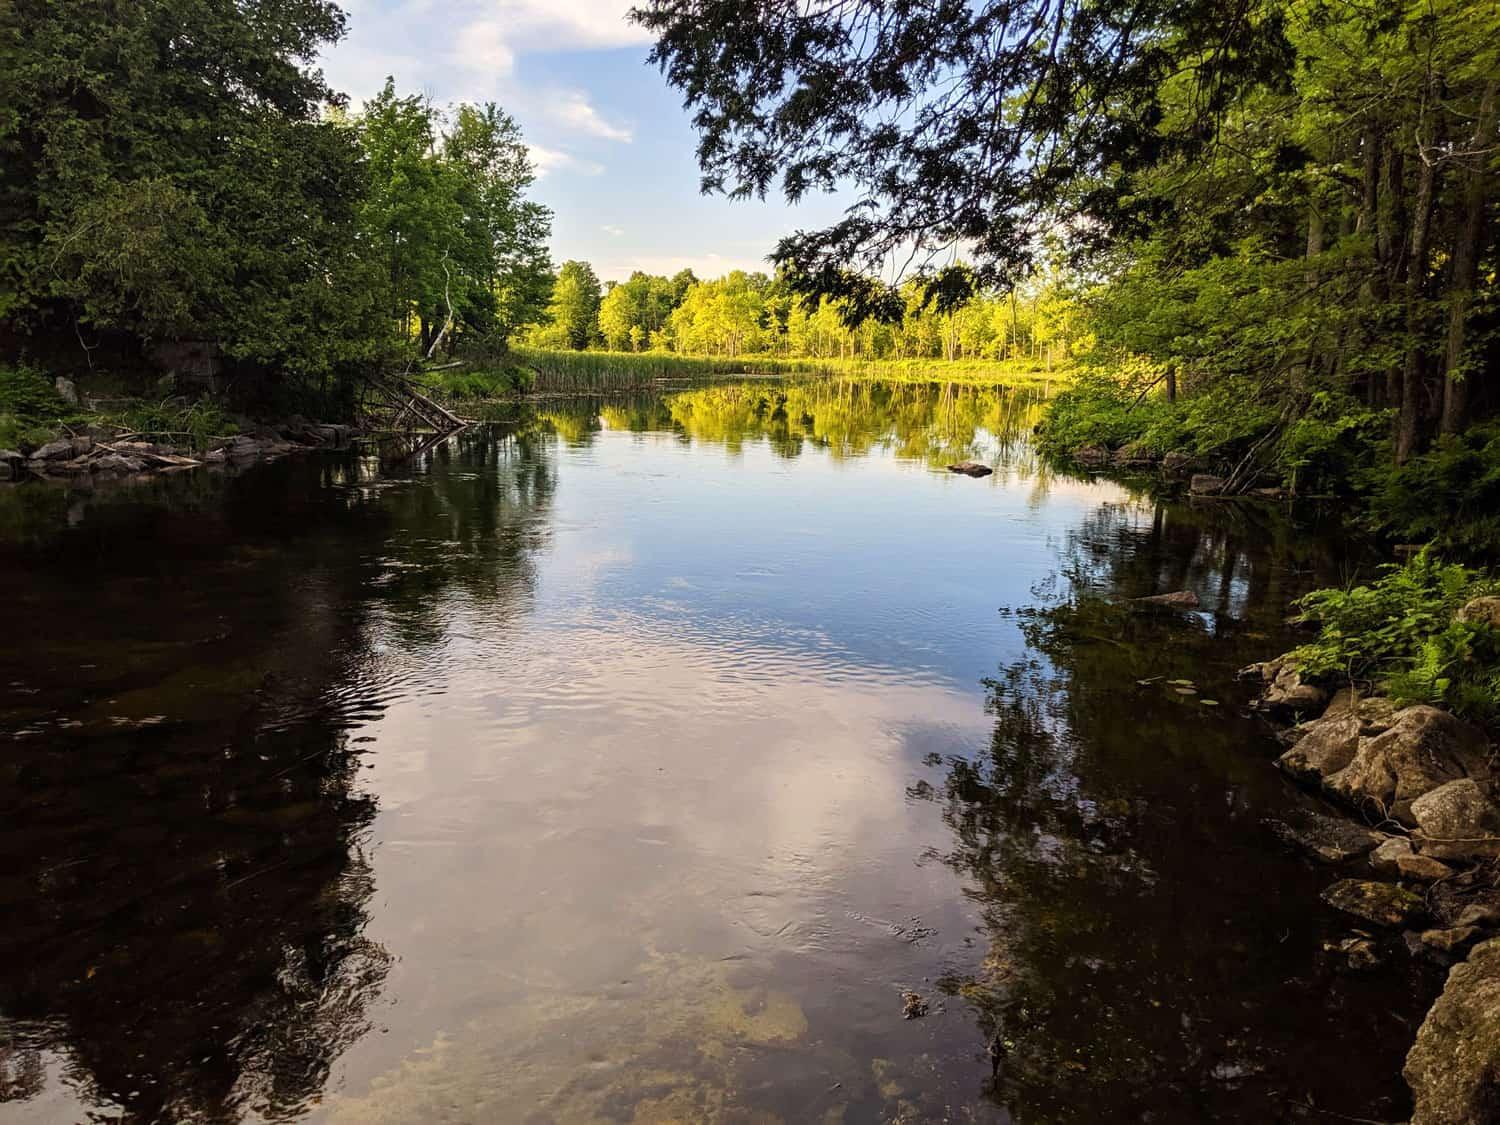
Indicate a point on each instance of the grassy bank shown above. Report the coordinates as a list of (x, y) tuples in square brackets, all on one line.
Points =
[(543, 371)]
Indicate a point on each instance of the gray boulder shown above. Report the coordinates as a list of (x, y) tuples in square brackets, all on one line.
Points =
[(1285, 694), (54, 451), (1423, 748), (1454, 1064), (1327, 839), (1176, 463), (971, 469), (1203, 484), (1458, 820), (12, 464), (1484, 611), (1381, 904), (67, 390)]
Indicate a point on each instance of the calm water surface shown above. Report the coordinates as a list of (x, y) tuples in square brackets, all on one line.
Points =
[(627, 761)]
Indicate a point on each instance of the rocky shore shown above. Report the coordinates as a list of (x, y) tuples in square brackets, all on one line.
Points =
[(99, 451), (1414, 827)]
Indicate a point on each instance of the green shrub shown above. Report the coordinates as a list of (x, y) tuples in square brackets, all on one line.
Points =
[(1400, 633), (1335, 441), (174, 421), (31, 410), (1449, 495)]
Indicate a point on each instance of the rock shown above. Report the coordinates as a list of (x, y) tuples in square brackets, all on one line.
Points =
[(1325, 747), (67, 390), (54, 451), (1376, 713), (1483, 611), (1360, 954), (1176, 463), (971, 469), (1327, 839), (1458, 820), (1178, 599), (912, 1006), (12, 464), (1485, 915), (1385, 858), (1383, 904), (1092, 455), (1202, 484), (1422, 869), (1134, 454), (1443, 945), (1423, 748), (1286, 695), (214, 456), (1270, 493), (1454, 1064)]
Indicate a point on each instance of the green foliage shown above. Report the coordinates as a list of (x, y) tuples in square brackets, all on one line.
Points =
[(174, 421), (31, 410), (1401, 633), (1449, 495), (573, 315), (1333, 443)]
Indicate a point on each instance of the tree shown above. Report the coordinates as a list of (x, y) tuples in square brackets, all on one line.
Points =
[(983, 123), (573, 311)]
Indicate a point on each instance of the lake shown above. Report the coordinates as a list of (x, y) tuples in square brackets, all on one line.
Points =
[(632, 760)]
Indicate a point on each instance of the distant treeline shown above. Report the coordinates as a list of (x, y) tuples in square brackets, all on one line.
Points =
[(743, 314)]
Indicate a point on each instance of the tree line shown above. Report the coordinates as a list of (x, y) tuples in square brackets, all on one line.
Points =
[(754, 313), (1283, 208), (176, 170)]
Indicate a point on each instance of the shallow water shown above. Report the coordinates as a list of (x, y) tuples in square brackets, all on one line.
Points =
[(627, 761)]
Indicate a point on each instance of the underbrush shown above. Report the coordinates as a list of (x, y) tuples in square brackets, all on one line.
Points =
[(31, 410), (1401, 633), (175, 421)]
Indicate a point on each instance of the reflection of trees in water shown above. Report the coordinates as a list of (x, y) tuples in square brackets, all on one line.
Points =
[(184, 872), (934, 423), (1150, 955)]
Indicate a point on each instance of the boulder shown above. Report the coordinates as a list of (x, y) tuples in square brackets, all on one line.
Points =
[(1134, 454), (1176, 463), (1202, 484), (1485, 915), (1382, 904), (1325, 746), (54, 451), (12, 464), (971, 469), (1177, 599), (1386, 858), (1458, 820), (1092, 455), (1326, 839), (1483, 611), (1376, 713), (1359, 954), (1454, 1064), (1423, 748), (1443, 946), (67, 390), (1286, 695)]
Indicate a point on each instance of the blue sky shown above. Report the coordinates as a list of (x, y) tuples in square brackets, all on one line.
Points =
[(611, 141)]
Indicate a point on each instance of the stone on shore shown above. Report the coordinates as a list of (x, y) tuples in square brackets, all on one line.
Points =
[(1423, 749), (1092, 455), (1204, 484), (1453, 1068), (1326, 839), (1285, 694), (54, 451), (1381, 904), (1459, 820), (1177, 462)]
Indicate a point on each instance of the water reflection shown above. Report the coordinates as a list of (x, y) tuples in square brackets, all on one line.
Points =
[(627, 759)]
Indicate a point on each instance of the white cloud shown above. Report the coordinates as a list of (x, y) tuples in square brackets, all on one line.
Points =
[(563, 25), (574, 110), (546, 160), (612, 231), (482, 46)]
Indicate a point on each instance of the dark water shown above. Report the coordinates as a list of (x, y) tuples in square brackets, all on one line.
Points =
[(628, 761)]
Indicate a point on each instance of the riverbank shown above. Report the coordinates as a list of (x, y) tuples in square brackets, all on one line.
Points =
[(1335, 447), (1384, 715)]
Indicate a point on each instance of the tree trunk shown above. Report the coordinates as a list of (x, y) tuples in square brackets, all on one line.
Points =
[(1416, 278), (1390, 221), (1466, 251), (1310, 286)]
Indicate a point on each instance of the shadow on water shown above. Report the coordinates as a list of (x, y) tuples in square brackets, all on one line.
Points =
[(184, 867), (187, 858)]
